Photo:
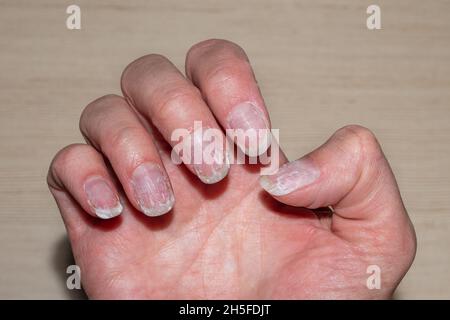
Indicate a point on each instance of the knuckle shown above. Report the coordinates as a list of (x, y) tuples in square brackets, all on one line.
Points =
[(216, 47), (69, 154), (125, 136), (97, 106), (222, 73), (108, 99), (361, 132), (150, 62), (360, 140), (141, 66), (170, 99), (62, 159)]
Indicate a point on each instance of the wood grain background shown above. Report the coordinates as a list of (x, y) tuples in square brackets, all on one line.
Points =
[(318, 66)]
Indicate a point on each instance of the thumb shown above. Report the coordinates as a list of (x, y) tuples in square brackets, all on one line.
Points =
[(350, 173)]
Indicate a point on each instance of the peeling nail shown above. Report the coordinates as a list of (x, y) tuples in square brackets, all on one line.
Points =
[(152, 189), (290, 177), (102, 199)]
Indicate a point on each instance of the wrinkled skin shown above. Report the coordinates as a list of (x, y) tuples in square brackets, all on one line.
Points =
[(232, 239)]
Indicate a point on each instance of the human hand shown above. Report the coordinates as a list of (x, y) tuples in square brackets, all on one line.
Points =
[(225, 237)]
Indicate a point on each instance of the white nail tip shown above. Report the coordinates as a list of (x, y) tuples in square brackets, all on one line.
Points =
[(160, 209), (217, 171), (109, 213), (247, 116), (269, 187), (263, 144), (216, 176)]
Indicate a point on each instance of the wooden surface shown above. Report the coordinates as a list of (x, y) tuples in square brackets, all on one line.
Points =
[(318, 66)]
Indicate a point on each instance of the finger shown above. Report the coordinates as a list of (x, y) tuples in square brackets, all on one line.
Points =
[(79, 170), (113, 128), (350, 173), (162, 94), (222, 72)]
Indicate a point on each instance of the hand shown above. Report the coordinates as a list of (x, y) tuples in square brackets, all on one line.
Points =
[(224, 236)]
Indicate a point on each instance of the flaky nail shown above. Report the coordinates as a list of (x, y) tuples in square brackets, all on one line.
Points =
[(290, 177), (212, 163), (152, 189), (101, 198), (247, 116)]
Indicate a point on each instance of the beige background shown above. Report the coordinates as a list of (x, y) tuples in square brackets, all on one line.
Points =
[(319, 69)]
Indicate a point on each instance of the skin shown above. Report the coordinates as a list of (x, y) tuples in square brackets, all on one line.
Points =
[(230, 239)]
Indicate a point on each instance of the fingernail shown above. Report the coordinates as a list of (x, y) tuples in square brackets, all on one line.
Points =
[(290, 177), (247, 116), (211, 164), (152, 189), (102, 199)]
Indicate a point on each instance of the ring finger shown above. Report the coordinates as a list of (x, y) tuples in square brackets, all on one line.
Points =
[(112, 127)]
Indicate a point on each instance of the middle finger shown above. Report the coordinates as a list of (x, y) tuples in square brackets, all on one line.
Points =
[(155, 87)]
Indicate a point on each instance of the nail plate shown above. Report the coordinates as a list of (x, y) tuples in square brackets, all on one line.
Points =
[(211, 164), (101, 198), (290, 177), (152, 189), (247, 116)]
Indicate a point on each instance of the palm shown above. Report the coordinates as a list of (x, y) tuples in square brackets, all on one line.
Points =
[(229, 240)]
